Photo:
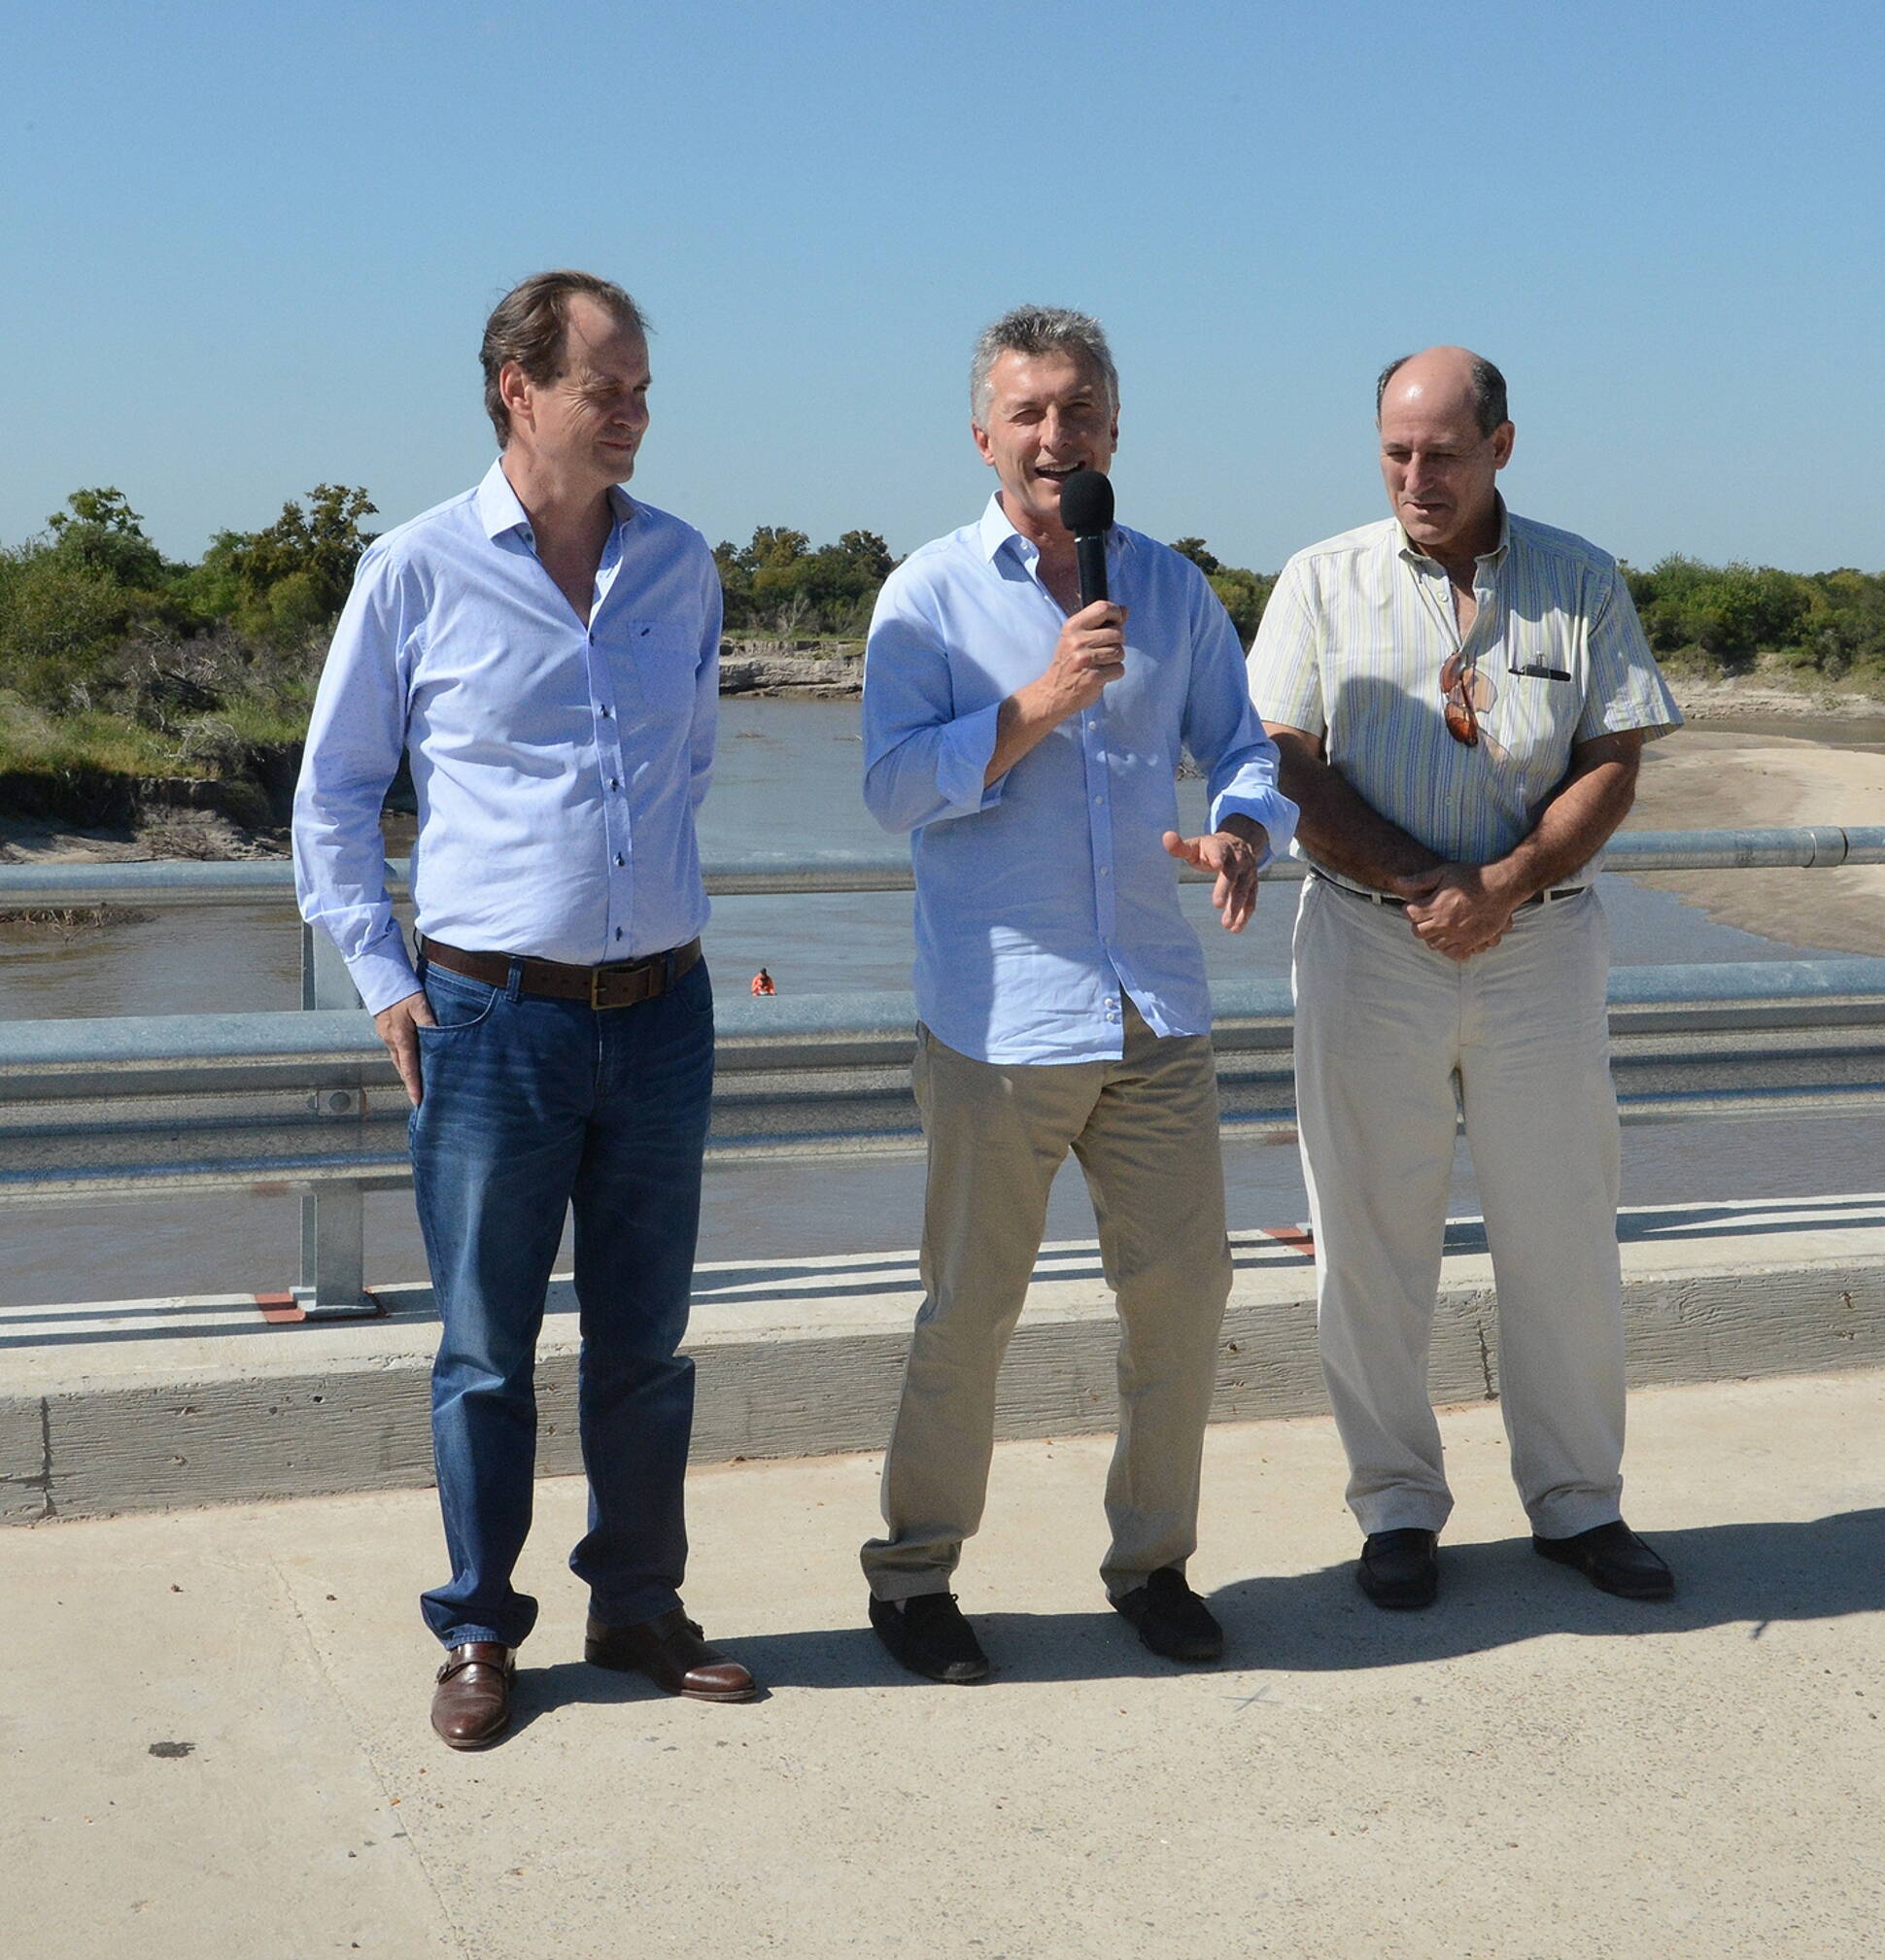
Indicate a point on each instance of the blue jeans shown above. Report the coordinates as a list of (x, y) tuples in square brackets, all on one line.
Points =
[(530, 1106)]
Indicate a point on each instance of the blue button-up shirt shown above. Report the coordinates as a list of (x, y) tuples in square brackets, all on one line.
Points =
[(1043, 896), (558, 766)]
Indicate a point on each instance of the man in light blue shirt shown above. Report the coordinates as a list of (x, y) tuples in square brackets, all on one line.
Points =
[(544, 650), (1032, 744)]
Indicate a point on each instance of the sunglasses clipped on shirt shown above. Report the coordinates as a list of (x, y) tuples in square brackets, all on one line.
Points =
[(1465, 694)]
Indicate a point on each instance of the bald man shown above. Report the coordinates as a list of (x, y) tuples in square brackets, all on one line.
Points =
[(1460, 697)]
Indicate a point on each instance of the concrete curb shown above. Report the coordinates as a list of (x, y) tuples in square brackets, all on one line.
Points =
[(162, 1404)]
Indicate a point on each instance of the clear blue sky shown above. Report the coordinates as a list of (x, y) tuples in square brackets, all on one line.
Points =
[(245, 249)]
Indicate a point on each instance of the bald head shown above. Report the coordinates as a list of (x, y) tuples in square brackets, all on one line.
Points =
[(1449, 375), (1444, 439)]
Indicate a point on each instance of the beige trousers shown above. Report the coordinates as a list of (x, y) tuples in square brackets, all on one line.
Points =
[(1388, 1035), (1145, 1129)]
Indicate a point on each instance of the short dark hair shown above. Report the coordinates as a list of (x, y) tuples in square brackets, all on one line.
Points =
[(531, 326), (1039, 330), (1487, 385)]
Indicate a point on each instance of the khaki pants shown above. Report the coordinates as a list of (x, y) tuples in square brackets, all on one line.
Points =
[(1145, 1129), (1387, 1033)]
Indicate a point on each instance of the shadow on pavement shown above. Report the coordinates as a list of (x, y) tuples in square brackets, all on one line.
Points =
[(1490, 1596), (1496, 1595)]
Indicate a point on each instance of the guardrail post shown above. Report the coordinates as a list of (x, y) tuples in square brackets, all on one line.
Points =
[(333, 1217), (325, 980)]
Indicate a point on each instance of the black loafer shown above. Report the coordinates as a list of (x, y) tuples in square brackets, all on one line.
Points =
[(930, 1636), (1614, 1559), (1171, 1620), (1400, 1570)]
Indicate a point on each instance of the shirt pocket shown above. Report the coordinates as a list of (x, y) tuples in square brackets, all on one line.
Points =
[(656, 662)]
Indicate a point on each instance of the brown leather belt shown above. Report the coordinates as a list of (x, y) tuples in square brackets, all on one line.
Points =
[(622, 984)]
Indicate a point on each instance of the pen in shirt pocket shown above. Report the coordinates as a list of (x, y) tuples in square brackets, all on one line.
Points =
[(1538, 671)]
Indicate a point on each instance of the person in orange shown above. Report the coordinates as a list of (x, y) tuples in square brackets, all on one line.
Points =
[(763, 983)]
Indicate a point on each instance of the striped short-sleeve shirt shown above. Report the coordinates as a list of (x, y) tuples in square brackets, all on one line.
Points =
[(1356, 631)]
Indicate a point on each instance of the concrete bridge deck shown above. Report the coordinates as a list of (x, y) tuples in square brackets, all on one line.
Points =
[(213, 1745), (151, 1404)]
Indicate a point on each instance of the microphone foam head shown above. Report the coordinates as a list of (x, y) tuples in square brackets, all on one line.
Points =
[(1086, 502)]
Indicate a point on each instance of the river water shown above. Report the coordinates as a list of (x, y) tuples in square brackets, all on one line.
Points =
[(787, 781)]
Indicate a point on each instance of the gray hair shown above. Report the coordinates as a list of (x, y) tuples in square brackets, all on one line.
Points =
[(1039, 330), (1487, 385)]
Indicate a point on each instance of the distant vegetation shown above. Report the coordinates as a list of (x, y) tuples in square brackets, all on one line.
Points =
[(778, 587), (120, 665), (1727, 619)]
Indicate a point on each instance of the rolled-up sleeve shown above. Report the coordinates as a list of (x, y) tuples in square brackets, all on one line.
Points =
[(922, 760), (1221, 730), (355, 738)]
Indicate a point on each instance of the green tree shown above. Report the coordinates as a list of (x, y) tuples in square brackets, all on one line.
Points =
[(297, 573), (779, 584), (70, 599), (1243, 593), (869, 553), (99, 531), (1195, 549)]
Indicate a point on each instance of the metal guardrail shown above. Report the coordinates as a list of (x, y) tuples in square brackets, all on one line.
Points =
[(309, 1102), (761, 873)]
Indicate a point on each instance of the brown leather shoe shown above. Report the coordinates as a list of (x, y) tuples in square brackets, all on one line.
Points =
[(672, 1655), (471, 1704)]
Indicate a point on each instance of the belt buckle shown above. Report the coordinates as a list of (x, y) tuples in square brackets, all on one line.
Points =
[(627, 973)]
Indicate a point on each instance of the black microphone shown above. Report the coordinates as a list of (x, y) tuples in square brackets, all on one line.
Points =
[(1086, 511)]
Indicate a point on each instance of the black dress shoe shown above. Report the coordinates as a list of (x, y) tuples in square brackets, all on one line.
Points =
[(1400, 1570), (930, 1636), (1614, 1559), (471, 1704), (1171, 1619), (672, 1655)]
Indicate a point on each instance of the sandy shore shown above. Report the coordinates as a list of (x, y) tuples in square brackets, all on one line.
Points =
[(1700, 778)]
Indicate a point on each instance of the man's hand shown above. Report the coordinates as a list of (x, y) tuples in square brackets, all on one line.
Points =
[(1090, 652), (1234, 855), (394, 1026), (1458, 909)]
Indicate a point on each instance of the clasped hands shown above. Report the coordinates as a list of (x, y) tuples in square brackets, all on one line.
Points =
[(1459, 910)]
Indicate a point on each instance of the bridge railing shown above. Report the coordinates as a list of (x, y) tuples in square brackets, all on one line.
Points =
[(309, 1102)]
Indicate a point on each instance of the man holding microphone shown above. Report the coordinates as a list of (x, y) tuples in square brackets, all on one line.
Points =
[(1028, 733)]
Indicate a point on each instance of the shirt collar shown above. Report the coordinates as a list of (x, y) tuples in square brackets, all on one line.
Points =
[(1495, 557), (499, 511), (995, 530)]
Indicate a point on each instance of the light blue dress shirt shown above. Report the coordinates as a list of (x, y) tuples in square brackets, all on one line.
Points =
[(558, 766), (1043, 897)]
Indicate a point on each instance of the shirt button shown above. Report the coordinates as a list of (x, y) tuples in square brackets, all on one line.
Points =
[(604, 712), (1106, 871), (618, 932), (613, 784), (619, 859), (1099, 799)]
